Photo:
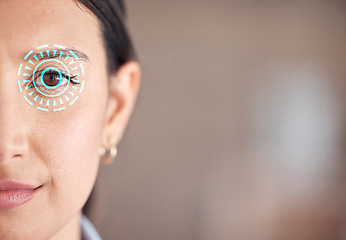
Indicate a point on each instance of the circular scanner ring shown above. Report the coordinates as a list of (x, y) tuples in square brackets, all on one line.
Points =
[(64, 63), (54, 69), (48, 92)]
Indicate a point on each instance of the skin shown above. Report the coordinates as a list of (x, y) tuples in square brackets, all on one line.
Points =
[(58, 151)]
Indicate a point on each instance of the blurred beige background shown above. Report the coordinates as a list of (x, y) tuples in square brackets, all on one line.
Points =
[(239, 129)]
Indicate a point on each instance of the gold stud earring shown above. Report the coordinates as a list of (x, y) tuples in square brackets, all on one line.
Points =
[(108, 155)]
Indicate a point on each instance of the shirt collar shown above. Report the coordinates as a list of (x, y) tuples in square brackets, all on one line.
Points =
[(88, 230)]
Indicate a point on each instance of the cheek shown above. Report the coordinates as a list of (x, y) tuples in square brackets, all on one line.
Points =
[(73, 145), (67, 143)]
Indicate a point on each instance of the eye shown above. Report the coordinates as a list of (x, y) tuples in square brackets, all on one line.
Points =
[(50, 78)]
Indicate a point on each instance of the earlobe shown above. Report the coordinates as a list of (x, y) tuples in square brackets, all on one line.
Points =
[(123, 90), (107, 156)]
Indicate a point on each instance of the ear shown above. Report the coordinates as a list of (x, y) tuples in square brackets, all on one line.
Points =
[(123, 90)]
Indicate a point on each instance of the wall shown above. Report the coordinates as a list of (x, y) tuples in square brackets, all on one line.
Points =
[(239, 129)]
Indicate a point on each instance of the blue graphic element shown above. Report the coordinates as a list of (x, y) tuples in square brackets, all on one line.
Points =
[(28, 100), (45, 92), (47, 69), (74, 100), (27, 55), (43, 109), (81, 90), (43, 46), (82, 68), (20, 68), (20, 88), (59, 109), (59, 46), (47, 81), (75, 56)]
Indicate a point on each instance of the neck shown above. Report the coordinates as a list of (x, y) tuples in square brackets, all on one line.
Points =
[(71, 231)]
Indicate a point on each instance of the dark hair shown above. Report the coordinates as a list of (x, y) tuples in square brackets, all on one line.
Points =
[(112, 16), (118, 45)]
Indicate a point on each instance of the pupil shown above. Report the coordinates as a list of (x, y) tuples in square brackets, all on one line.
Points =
[(51, 79)]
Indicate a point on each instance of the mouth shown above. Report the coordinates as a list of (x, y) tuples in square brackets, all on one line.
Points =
[(13, 194)]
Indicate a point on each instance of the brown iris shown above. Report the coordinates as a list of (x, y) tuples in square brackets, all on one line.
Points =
[(51, 78)]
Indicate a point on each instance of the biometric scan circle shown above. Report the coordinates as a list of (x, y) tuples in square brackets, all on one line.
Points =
[(51, 77)]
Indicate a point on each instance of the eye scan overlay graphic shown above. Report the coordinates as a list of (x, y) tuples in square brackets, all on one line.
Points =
[(51, 77)]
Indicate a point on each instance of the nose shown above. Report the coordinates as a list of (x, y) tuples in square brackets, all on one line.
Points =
[(13, 140)]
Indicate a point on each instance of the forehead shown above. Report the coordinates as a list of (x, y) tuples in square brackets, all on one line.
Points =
[(25, 24)]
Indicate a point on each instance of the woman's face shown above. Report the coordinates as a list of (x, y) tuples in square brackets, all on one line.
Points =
[(55, 151)]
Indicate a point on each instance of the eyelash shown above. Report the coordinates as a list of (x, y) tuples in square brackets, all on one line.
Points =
[(63, 75), (51, 79)]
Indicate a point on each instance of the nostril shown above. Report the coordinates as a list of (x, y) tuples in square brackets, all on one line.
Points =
[(13, 149)]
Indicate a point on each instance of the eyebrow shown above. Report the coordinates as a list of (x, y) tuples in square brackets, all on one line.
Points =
[(61, 52)]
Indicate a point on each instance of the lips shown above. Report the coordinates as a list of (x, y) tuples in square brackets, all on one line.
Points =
[(14, 194)]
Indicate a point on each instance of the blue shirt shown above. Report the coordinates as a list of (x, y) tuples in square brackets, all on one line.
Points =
[(88, 230)]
